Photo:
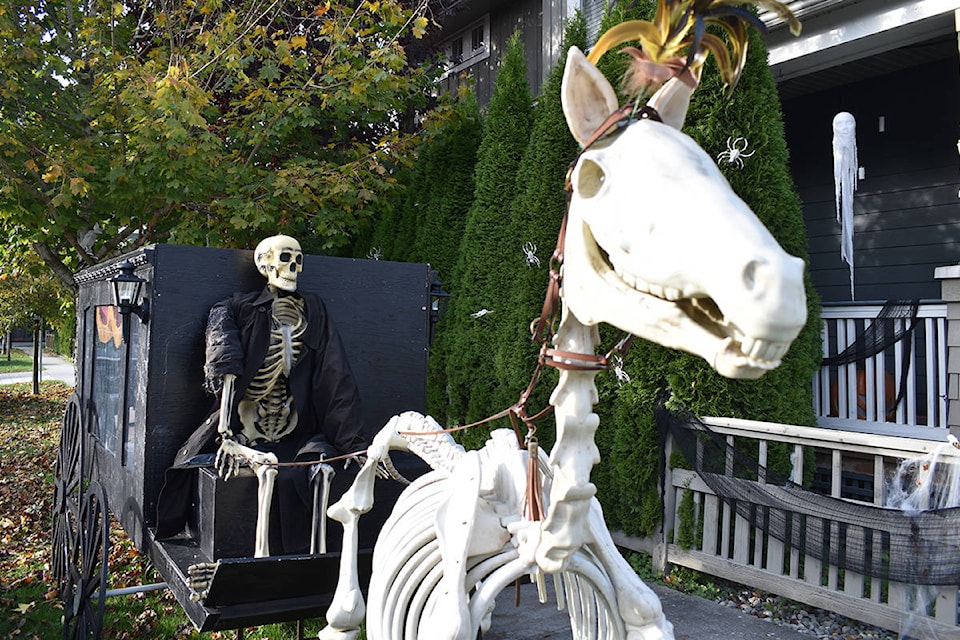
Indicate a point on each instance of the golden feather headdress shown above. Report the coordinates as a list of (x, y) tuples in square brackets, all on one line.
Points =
[(677, 42)]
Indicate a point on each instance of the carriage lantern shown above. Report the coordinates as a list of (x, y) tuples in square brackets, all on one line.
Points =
[(126, 292)]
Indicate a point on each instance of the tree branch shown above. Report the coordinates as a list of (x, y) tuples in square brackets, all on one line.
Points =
[(56, 265)]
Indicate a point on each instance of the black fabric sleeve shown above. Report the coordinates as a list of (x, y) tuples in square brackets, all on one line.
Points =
[(224, 352)]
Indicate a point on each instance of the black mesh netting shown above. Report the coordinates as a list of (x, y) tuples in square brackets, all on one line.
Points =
[(919, 547), (883, 332)]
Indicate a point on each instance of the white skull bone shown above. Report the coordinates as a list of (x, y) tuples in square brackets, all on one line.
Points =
[(280, 260)]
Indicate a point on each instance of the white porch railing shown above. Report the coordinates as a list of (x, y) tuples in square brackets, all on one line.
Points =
[(863, 398), (730, 546)]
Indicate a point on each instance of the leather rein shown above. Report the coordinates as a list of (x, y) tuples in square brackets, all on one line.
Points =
[(544, 329)]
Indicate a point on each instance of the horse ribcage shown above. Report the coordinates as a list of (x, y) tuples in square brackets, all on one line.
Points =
[(407, 567)]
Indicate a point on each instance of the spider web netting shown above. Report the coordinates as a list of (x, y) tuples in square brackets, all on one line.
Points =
[(919, 547)]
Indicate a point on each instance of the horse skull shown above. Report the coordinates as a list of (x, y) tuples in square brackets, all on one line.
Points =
[(659, 245)]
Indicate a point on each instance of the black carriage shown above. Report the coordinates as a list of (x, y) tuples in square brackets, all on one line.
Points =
[(139, 395)]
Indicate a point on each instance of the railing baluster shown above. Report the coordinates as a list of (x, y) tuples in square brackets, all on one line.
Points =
[(930, 360), (942, 373), (836, 389)]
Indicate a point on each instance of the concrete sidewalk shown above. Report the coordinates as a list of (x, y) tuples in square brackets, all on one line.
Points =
[(693, 618), (54, 368)]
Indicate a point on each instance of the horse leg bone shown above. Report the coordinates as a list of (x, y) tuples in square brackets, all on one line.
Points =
[(455, 531), (638, 606), (346, 610)]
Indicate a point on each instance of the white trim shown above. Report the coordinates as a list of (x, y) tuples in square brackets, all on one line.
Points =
[(863, 29)]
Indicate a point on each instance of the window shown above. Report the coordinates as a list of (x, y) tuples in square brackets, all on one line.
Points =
[(114, 382), (107, 372), (468, 46)]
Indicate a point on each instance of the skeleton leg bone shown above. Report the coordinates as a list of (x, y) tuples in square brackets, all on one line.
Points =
[(230, 456), (266, 477), (321, 475)]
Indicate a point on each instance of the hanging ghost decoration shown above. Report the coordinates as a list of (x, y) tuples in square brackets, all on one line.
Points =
[(845, 182)]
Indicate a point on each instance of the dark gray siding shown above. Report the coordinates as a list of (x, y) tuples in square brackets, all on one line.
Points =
[(906, 209), (525, 16)]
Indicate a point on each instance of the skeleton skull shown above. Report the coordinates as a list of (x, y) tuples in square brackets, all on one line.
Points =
[(280, 260)]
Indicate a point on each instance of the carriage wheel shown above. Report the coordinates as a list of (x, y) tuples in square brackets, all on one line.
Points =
[(67, 492), (86, 589)]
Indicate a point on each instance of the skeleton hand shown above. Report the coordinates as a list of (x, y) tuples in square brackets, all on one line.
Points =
[(231, 455)]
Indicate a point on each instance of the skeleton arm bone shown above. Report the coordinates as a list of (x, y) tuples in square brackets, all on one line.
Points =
[(232, 454)]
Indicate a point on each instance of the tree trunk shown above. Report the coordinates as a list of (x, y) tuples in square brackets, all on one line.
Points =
[(36, 361)]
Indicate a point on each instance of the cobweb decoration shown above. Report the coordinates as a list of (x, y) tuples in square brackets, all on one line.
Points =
[(845, 182)]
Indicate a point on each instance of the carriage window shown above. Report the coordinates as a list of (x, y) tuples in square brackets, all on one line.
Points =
[(133, 384), (107, 377)]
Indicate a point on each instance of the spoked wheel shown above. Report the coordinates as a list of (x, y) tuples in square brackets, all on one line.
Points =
[(67, 493), (85, 592)]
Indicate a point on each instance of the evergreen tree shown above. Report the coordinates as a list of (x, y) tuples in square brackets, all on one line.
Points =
[(449, 162), (474, 383), (535, 221), (447, 187), (426, 224), (628, 476)]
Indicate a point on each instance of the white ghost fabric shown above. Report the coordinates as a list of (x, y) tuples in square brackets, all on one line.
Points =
[(845, 182)]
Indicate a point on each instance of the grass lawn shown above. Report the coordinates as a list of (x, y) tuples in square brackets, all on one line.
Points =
[(19, 361), (30, 607)]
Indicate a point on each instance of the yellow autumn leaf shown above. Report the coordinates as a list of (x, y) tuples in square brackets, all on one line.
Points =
[(79, 186), (53, 173), (419, 27), (30, 164), (298, 42)]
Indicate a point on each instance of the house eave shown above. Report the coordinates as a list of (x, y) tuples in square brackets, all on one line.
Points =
[(848, 31)]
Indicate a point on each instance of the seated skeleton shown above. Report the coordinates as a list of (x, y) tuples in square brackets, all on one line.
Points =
[(286, 395)]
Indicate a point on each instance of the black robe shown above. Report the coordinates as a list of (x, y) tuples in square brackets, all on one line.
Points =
[(324, 393)]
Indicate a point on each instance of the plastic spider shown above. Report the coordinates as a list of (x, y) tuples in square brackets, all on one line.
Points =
[(530, 253), (374, 254), (622, 376), (735, 152)]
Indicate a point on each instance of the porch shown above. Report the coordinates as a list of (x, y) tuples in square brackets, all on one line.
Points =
[(805, 552), (888, 405)]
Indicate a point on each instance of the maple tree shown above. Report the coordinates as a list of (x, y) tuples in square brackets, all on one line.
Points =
[(201, 122)]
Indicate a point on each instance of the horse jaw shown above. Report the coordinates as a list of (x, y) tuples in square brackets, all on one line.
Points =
[(658, 245)]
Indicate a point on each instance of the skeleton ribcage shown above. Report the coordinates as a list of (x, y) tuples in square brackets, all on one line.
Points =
[(266, 410)]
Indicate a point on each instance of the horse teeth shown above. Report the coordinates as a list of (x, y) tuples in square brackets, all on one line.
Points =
[(671, 293), (656, 290)]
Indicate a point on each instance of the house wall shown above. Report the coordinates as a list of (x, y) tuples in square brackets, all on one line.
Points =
[(525, 16), (906, 209)]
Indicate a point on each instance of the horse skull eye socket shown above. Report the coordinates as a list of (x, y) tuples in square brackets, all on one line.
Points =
[(590, 177)]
